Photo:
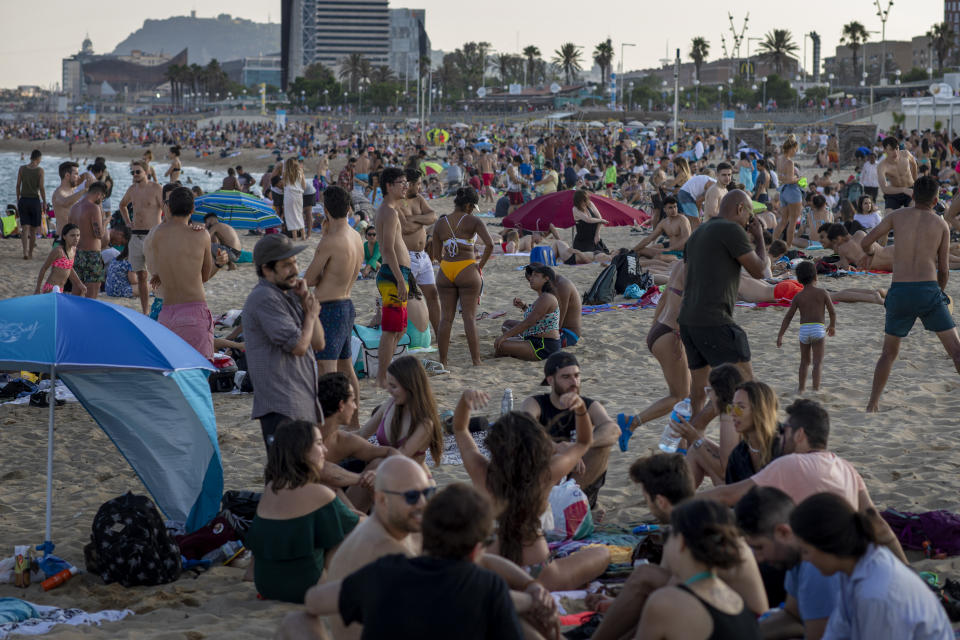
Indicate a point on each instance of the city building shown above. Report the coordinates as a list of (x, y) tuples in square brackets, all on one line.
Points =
[(902, 55), (951, 15), (720, 71), (327, 31), (86, 74), (408, 41), (251, 72)]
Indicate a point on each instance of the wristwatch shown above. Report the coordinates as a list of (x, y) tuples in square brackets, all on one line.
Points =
[(698, 443)]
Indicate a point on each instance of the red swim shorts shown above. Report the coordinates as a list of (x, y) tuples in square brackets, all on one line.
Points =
[(516, 197), (786, 290), (487, 179)]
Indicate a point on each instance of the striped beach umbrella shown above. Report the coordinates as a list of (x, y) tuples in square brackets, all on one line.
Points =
[(237, 209), (429, 168)]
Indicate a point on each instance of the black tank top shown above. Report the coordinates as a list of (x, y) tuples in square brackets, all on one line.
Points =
[(559, 423), (740, 626)]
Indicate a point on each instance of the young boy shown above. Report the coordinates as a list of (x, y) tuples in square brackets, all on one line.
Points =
[(811, 302)]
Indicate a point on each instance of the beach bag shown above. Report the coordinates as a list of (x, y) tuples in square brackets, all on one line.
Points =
[(366, 360), (936, 531), (129, 544), (240, 507), (630, 272), (217, 532), (824, 267), (571, 512), (603, 289)]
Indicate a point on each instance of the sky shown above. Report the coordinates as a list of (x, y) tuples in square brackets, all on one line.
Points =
[(32, 44)]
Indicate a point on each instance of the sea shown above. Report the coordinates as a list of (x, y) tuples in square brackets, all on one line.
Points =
[(10, 163)]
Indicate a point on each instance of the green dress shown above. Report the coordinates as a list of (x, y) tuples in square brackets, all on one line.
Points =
[(289, 554)]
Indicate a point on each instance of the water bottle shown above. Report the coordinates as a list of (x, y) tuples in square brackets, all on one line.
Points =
[(506, 404), (56, 580), (669, 442)]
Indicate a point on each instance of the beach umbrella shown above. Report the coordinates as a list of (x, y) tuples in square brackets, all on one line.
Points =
[(656, 123), (430, 168), (147, 390), (237, 209), (460, 125), (594, 123), (557, 209), (635, 123), (438, 136)]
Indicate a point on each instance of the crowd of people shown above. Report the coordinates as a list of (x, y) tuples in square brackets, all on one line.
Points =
[(352, 524)]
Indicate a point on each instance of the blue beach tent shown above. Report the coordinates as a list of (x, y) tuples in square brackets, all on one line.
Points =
[(144, 386)]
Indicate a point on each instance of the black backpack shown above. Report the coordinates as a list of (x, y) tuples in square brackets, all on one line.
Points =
[(603, 289), (630, 272), (129, 544)]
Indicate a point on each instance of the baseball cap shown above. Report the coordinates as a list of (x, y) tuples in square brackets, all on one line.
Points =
[(557, 361), (275, 247)]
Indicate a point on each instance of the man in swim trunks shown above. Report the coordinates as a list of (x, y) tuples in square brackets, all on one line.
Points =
[(31, 201), (677, 229), (562, 373), (147, 200), (415, 216), (896, 174), (223, 238), (333, 271), (94, 235), (487, 163), (394, 274), (711, 202), (180, 257), (921, 267), (65, 195)]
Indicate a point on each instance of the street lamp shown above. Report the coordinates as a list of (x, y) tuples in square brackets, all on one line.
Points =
[(764, 81), (797, 78), (897, 73), (326, 92), (883, 15), (620, 72), (863, 82), (830, 78), (630, 97), (696, 88), (730, 90)]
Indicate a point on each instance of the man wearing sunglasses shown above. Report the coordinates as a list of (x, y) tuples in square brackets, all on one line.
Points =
[(147, 200)]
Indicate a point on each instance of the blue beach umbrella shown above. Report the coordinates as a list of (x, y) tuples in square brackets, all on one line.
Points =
[(163, 422), (237, 209)]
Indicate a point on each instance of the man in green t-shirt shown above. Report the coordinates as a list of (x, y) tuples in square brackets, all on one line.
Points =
[(714, 254)]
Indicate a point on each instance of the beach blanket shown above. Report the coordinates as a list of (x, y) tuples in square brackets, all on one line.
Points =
[(24, 618), (62, 392)]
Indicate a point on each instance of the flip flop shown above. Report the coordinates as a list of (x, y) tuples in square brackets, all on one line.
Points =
[(433, 367), (625, 433)]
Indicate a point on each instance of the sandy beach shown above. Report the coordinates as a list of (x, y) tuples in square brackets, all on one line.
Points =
[(906, 454)]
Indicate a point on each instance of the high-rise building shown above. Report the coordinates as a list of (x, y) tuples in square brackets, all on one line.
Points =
[(326, 31), (408, 41), (951, 15)]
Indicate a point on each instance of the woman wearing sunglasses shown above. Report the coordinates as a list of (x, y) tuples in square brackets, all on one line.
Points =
[(299, 522), (371, 253)]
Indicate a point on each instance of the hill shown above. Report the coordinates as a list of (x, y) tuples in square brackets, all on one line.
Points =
[(223, 38)]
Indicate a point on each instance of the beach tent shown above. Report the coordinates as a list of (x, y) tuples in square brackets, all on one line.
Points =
[(237, 209), (144, 386), (438, 136), (557, 209)]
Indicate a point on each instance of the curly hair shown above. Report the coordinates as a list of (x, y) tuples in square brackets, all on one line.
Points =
[(517, 478), (421, 404)]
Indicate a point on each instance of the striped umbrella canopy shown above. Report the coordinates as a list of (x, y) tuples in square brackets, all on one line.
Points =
[(237, 209), (431, 167)]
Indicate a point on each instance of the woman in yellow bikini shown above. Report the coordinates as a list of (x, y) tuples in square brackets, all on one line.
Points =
[(459, 278)]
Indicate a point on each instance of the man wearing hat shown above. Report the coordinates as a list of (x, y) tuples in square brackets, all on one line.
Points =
[(562, 373), (281, 330)]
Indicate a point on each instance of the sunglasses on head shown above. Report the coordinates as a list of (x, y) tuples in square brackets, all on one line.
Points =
[(412, 496)]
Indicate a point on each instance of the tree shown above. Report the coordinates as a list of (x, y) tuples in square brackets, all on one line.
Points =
[(507, 66), (316, 72), (381, 74), (915, 75), (854, 35), (603, 57), (354, 68), (483, 50), (699, 50), (567, 59), (778, 46), (532, 54), (941, 38)]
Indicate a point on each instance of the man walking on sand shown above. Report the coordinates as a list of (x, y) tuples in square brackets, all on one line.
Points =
[(94, 236), (180, 258), (332, 273), (31, 202), (147, 200), (394, 274), (921, 267)]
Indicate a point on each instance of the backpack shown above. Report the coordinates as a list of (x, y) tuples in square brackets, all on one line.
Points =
[(129, 544), (603, 288), (938, 531), (630, 272)]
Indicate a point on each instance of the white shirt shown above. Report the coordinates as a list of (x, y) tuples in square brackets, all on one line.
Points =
[(868, 175), (868, 220), (698, 149), (697, 185)]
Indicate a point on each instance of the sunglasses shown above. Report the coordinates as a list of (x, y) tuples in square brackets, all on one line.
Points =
[(135, 173), (412, 496), (371, 235), (735, 410)]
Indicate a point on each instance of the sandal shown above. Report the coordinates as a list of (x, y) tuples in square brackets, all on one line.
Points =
[(625, 433), (434, 368)]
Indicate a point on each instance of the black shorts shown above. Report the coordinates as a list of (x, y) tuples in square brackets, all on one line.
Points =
[(872, 192), (714, 345), (31, 211), (895, 201)]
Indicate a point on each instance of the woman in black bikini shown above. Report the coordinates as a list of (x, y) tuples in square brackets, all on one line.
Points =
[(173, 171), (701, 606)]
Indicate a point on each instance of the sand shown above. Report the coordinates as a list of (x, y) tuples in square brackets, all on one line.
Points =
[(907, 454)]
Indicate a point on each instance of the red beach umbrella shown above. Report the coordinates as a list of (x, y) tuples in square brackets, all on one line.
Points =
[(557, 209)]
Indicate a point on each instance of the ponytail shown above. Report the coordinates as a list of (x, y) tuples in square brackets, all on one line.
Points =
[(828, 523), (709, 532)]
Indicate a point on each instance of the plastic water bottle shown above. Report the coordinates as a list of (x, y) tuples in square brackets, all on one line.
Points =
[(506, 404), (669, 442)]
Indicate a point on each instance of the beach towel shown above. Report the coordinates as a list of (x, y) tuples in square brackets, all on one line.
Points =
[(44, 618)]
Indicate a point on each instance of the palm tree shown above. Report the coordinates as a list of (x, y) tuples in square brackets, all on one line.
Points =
[(778, 45), (603, 57), (567, 59), (941, 38), (532, 54), (699, 50), (354, 67), (854, 35), (380, 74), (172, 73)]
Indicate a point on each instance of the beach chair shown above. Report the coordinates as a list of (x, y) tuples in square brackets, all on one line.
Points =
[(543, 255)]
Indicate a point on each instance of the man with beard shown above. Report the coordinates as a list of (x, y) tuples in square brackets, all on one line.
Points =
[(282, 331), (562, 374), (147, 200)]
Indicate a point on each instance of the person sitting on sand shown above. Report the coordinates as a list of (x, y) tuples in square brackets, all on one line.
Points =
[(537, 336), (588, 221), (523, 465), (299, 520), (818, 215), (371, 253), (561, 373), (663, 342), (223, 238), (666, 484), (811, 302), (441, 594), (677, 229), (121, 277), (408, 420), (60, 263)]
